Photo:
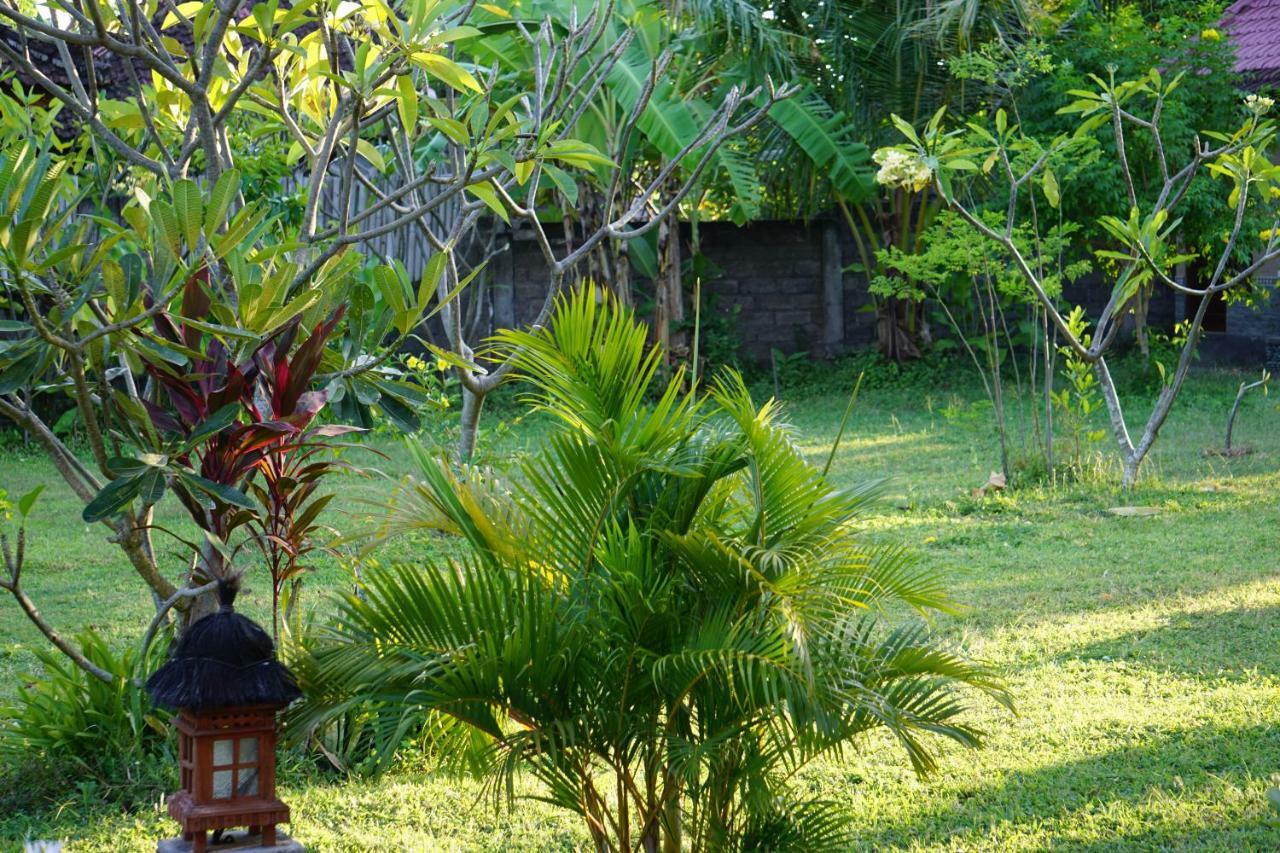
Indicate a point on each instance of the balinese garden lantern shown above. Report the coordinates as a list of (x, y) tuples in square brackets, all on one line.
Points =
[(226, 684)]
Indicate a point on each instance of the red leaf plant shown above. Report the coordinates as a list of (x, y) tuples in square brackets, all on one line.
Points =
[(248, 458)]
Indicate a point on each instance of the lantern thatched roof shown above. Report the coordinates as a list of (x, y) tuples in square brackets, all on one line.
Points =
[(223, 660)]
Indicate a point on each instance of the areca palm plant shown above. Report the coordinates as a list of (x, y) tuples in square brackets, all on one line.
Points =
[(663, 615)]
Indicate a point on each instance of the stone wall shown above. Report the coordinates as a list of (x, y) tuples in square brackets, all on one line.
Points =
[(1253, 334), (787, 283), (778, 277)]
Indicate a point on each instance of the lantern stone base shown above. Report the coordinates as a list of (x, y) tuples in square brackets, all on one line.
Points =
[(238, 841)]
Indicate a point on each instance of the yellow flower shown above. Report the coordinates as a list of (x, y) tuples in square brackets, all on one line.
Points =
[(442, 365), (1259, 105), (900, 168), (1211, 35)]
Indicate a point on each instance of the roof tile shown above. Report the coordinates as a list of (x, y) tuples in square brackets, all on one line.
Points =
[(1254, 29)]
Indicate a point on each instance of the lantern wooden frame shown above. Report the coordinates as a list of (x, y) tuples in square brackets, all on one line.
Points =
[(250, 799)]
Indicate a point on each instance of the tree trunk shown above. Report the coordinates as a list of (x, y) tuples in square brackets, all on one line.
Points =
[(1141, 307), (1245, 388), (1048, 394), (504, 303), (1130, 476), (1231, 418), (893, 330), (211, 567), (621, 283), (669, 304), (472, 403), (997, 378), (198, 608)]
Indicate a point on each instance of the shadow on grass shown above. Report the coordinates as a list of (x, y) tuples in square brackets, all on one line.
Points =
[(1142, 797), (1223, 643)]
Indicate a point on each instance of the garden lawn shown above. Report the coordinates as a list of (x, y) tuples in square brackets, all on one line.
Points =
[(1143, 653)]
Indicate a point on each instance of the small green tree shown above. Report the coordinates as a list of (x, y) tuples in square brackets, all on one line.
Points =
[(991, 313), (1144, 245), (665, 617)]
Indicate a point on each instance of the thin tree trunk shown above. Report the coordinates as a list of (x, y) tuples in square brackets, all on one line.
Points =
[(1167, 396), (997, 380), (1245, 387), (206, 603), (1118, 426), (669, 304), (1049, 365), (472, 403), (621, 283)]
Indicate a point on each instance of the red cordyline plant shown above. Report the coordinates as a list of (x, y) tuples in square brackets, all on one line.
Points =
[(237, 444)]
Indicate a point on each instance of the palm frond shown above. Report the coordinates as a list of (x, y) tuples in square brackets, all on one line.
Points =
[(669, 595)]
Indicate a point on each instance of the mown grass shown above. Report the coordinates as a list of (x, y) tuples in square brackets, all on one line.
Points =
[(1143, 653)]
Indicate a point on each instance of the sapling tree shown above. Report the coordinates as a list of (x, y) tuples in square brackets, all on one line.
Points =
[(1245, 388), (1144, 246), (993, 316), (629, 204)]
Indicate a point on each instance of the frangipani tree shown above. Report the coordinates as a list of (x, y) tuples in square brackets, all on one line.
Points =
[(386, 117), (1145, 247), (605, 83)]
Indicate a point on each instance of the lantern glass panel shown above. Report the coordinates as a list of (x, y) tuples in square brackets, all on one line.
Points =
[(248, 783), (222, 754), (222, 784), (248, 750)]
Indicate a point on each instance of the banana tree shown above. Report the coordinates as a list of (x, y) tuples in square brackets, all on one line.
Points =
[(869, 61)]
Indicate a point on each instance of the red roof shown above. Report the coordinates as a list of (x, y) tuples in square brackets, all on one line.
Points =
[(1254, 29)]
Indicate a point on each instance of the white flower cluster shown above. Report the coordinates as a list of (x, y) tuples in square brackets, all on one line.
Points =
[(900, 168), (1259, 105)]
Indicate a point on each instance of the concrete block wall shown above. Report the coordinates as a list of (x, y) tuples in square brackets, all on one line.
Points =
[(781, 278), (772, 272), (1255, 332)]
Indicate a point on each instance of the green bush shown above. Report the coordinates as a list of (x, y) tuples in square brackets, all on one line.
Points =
[(68, 730), (663, 616), (800, 375)]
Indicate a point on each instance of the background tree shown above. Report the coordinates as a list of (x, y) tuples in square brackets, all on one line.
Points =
[(600, 55), (1145, 240), (869, 61), (1127, 40)]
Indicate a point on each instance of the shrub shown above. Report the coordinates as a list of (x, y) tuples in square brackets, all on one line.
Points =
[(663, 617), (79, 730)]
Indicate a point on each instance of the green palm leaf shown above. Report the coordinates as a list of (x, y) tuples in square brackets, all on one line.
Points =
[(669, 598)]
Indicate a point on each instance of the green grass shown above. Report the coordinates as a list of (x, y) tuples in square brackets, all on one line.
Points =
[(1142, 653)]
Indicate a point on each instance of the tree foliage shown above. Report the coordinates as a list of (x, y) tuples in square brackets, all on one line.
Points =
[(1144, 243), (130, 206)]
